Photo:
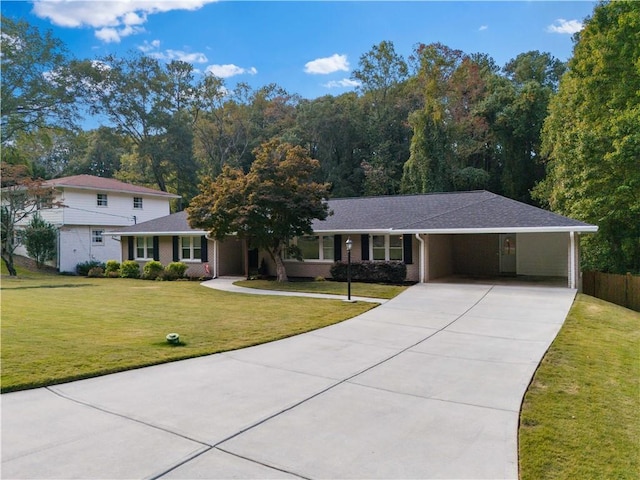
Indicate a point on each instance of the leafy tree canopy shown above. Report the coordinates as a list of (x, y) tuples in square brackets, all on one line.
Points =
[(592, 138), (274, 202)]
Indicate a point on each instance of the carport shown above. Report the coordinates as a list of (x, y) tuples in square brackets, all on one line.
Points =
[(477, 234), (526, 253)]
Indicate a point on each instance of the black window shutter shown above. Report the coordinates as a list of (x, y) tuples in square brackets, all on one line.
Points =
[(130, 240), (204, 249), (407, 246), (337, 247), (156, 248), (364, 243), (176, 249)]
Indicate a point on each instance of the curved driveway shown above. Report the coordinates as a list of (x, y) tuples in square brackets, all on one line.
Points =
[(427, 385)]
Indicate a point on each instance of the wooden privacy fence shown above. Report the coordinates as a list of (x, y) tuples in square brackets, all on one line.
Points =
[(619, 289)]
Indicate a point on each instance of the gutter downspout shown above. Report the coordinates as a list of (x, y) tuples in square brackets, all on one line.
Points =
[(421, 257)]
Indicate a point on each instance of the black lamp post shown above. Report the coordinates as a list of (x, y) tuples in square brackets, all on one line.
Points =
[(349, 243)]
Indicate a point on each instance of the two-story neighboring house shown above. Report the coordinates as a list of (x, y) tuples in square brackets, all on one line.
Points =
[(90, 206)]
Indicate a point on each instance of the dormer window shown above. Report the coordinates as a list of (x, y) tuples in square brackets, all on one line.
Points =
[(137, 203), (102, 200)]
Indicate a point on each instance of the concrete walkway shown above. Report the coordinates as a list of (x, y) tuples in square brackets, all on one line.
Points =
[(227, 284), (427, 385)]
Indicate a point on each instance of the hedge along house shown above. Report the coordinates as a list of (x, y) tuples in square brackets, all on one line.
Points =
[(436, 235)]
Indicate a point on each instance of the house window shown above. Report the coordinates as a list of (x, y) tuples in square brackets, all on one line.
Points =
[(386, 247), (144, 248), (96, 237), (102, 200), (315, 247), (191, 248), (137, 203)]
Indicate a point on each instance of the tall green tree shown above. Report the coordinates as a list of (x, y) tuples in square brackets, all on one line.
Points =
[(38, 87), (148, 102), (274, 202), (591, 138), (40, 239), (386, 103)]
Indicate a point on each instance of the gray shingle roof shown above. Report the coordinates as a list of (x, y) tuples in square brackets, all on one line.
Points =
[(459, 212), (174, 224)]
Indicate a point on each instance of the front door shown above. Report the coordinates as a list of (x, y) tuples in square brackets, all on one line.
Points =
[(508, 253)]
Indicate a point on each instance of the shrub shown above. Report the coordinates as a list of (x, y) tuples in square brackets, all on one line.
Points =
[(152, 270), (84, 267), (112, 266), (373, 272), (96, 272), (113, 274), (174, 271), (130, 269)]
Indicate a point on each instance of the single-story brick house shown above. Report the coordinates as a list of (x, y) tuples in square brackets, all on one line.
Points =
[(436, 235)]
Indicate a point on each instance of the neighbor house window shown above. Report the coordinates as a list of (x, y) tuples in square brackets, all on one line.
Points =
[(144, 248), (386, 247), (102, 200), (96, 237), (315, 247), (191, 248), (137, 202)]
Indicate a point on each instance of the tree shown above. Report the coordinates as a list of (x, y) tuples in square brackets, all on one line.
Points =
[(271, 204), (40, 239), (37, 85), (21, 196), (591, 138)]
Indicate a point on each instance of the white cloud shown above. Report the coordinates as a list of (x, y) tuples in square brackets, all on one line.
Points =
[(345, 82), (565, 26), (111, 19), (152, 50), (229, 70), (483, 28), (323, 66)]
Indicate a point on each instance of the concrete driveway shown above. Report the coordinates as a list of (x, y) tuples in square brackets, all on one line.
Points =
[(427, 385)]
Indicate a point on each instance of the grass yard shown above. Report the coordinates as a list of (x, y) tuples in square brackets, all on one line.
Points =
[(59, 328), (581, 414), (371, 290)]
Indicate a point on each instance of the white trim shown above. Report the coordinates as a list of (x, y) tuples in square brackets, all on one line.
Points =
[(422, 247), (585, 228), (107, 189), (188, 233), (572, 260)]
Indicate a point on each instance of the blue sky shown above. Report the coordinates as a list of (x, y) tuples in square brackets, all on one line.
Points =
[(309, 48)]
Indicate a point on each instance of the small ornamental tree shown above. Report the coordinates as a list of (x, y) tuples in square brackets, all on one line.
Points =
[(21, 196), (40, 240), (276, 201)]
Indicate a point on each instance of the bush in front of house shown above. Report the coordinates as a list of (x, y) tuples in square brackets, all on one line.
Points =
[(112, 269), (372, 272), (130, 269), (152, 270), (96, 272), (84, 267), (174, 271)]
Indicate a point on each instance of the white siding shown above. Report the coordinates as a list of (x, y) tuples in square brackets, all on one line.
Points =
[(542, 254), (76, 247), (82, 209)]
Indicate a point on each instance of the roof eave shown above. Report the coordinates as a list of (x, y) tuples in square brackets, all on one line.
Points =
[(141, 233), (115, 190), (400, 231)]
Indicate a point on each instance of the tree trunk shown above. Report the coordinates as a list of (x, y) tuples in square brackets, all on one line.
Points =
[(8, 261), (281, 271)]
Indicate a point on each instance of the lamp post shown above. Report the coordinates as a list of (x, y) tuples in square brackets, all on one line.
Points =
[(349, 243)]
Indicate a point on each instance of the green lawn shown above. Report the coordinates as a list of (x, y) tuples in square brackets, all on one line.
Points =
[(60, 328), (371, 290), (581, 414)]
